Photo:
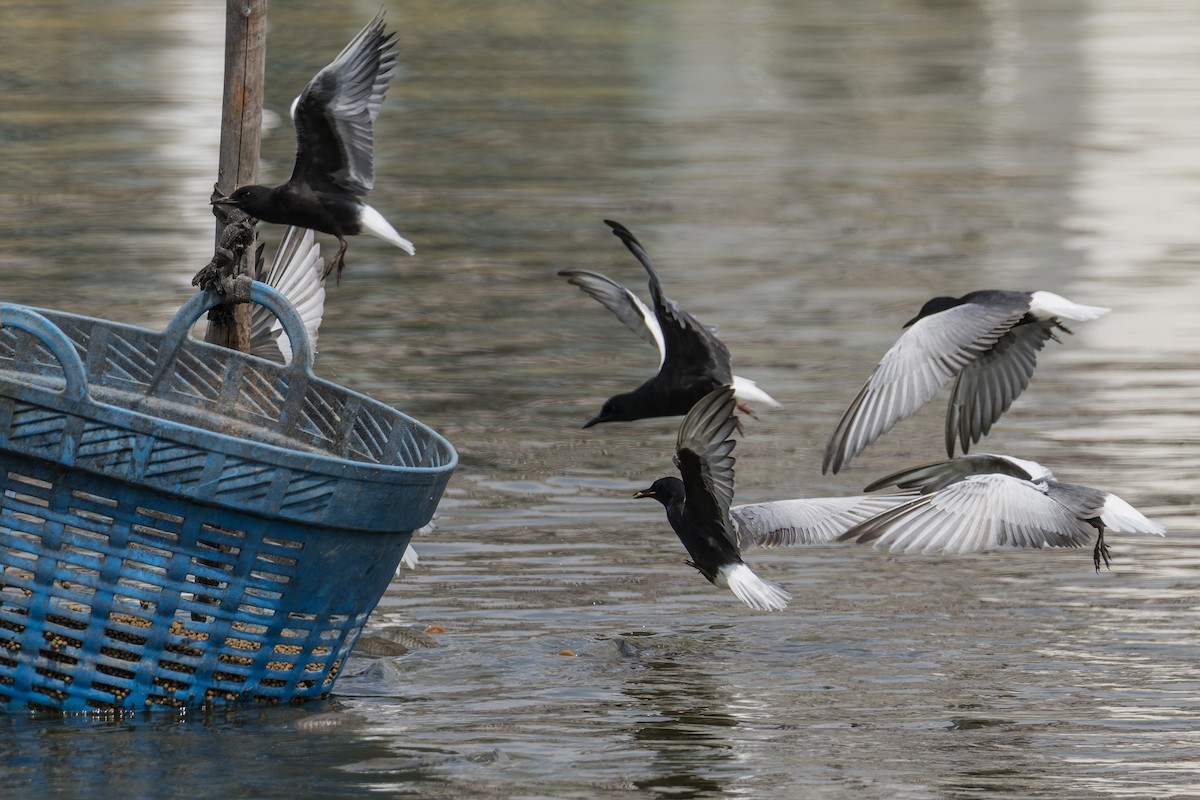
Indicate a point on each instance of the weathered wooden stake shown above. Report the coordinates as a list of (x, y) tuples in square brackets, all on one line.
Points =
[(241, 132)]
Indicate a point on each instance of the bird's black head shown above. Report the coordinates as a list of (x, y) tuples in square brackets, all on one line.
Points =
[(665, 490), (615, 409), (935, 306), (251, 199)]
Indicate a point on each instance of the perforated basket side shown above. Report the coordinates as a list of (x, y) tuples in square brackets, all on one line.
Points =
[(114, 597)]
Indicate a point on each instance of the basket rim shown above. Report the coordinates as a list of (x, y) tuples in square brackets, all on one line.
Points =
[(307, 460)]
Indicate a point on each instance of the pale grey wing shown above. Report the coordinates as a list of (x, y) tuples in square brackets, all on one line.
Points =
[(814, 520), (298, 273), (981, 512), (940, 474), (337, 110), (987, 386), (932, 351), (624, 304), (704, 455)]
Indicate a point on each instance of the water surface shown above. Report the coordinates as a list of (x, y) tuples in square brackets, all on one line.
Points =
[(805, 175)]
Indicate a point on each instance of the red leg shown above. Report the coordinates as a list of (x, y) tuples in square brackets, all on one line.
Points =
[(338, 260), (745, 409)]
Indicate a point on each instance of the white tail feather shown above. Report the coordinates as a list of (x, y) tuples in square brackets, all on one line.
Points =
[(747, 391), (752, 590), (1121, 517), (1049, 304), (373, 223), (409, 560)]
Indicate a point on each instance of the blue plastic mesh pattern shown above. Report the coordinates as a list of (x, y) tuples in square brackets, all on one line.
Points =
[(188, 531)]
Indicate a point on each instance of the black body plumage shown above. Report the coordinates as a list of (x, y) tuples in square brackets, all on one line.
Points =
[(334, 169)]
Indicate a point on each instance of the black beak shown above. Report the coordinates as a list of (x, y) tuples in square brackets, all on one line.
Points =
[(640, 493), (596, 420), (221, 201)]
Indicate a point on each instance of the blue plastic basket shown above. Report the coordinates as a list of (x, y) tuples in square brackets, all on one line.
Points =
[(185, 525)]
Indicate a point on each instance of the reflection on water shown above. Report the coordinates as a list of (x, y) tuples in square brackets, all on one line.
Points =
[(805, 176), (1132, 218)]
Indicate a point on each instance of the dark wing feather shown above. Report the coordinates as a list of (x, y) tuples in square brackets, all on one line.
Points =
[(335, 114), (704, 456), (987, 387), (938, 475), (690, 347)]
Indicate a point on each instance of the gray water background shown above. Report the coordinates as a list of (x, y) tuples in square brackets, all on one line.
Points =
[(805, 174)]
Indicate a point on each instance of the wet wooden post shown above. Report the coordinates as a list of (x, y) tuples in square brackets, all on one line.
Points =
[(241, 132)]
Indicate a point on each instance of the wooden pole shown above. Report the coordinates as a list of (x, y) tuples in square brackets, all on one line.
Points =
[(241, 133)]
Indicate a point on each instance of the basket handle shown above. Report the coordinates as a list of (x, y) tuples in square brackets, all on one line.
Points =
[(74, 373), (261, 293)]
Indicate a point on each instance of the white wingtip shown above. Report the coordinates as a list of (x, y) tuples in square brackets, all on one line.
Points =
[(1049, 304), (373, 223), (752, 590), (747, 391)]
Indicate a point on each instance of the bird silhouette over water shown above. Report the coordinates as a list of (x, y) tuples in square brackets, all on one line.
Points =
[(698, 505), (692, 360), (987, 341), (983, 502), (335, 169)]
